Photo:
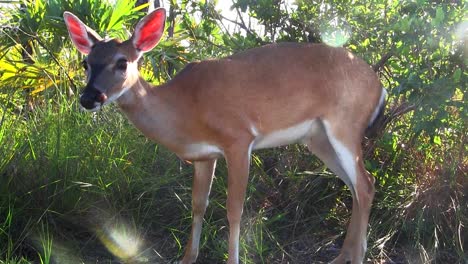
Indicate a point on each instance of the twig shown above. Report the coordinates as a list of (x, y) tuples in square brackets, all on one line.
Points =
[(56, 61), (376, 67)]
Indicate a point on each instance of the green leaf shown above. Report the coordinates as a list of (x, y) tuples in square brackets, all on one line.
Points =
[(440, 14), (437, 140), (352, 47), (457, 75), (366, 42), (120, 10)]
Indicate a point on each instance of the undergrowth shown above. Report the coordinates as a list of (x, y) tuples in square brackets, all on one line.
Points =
[(80, 187)]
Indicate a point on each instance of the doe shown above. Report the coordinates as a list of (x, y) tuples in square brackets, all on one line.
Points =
[(265, 97)]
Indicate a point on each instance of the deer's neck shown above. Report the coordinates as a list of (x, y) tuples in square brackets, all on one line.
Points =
[(131, 100), (152, 112)]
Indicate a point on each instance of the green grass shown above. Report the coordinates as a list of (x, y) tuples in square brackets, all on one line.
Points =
[(63, 165), (81, 187)]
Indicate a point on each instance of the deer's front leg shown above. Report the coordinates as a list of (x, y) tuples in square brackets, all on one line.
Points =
[(202, 179), (238, 161)]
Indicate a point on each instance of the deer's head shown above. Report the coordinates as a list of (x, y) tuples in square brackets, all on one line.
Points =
[(111, 65)]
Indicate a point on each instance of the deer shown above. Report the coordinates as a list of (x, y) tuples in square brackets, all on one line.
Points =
[(274, 95)]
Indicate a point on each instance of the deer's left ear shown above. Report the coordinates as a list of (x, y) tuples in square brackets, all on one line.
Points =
[(149, 30), (82, 36)]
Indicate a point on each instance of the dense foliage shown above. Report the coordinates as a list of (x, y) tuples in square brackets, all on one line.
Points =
[(79, 187)]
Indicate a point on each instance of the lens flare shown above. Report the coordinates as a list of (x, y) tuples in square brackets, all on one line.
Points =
[(461, 35), (121, 240), (461, 31), (53, 249), (335, 33)]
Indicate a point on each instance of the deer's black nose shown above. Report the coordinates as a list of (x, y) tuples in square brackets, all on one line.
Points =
[(87, 101), (92, 97)]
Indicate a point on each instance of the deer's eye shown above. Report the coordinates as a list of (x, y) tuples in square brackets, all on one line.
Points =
[(85, 65), (121, 64)]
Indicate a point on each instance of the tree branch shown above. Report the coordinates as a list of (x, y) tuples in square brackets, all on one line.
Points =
[(244, 27)]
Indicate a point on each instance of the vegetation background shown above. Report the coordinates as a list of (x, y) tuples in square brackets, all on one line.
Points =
[(77, 187)]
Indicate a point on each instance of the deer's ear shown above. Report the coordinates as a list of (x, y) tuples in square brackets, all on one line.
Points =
[(82, 37), (149, 30)]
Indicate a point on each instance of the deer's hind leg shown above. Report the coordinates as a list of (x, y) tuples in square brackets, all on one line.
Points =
[(340, 150)]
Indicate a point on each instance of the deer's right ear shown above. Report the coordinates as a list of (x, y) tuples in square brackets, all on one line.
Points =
[(82, 37)]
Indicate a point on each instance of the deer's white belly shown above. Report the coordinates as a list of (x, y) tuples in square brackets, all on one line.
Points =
[(285, 136), (201, 150), (294, 134)]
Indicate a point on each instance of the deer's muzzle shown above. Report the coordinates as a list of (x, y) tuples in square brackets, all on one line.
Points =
[(92, 98)]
